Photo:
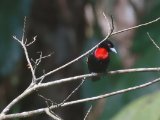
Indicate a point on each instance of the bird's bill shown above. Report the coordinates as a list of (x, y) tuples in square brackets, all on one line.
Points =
[(113, 50)]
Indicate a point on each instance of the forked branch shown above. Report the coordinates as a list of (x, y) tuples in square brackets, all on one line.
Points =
[(42, 110)]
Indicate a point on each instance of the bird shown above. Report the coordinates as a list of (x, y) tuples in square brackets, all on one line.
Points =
[(99, 59)]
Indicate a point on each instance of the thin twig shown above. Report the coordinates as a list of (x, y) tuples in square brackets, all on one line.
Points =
[(34, 39), (22, 43), (42, 57), (89, 110), (24, 29), (42, 78), (48, 111), (73, 92), (25, 41), (47, 99), (27, 58), (135, 27), (38, 61), (52, 115), (42, 110), (153, 41), (111, 27)]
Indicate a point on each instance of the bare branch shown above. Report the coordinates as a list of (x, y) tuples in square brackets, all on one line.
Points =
[(111, 27), (24, 29), (42, 57), (72, 92), (25, 50), (153, 41), (27, 57), (38, 61), (134, 70), (52, 115), (135, 27), (22, 43), (34, 39), (14, 37), (42, 110), (42, 78), (48, 111), (44, 85), (47, 100), (89, 110), (112, 93), (25, 41)]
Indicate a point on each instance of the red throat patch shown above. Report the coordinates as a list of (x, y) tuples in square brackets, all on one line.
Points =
[(101, 53)]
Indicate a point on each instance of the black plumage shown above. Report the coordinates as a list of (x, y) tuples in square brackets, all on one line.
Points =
[(99, 59)]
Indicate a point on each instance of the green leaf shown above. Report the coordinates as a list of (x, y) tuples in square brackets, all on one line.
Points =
[(144, 108)]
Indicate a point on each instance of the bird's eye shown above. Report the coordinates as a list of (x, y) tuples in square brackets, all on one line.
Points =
[(109, 45)]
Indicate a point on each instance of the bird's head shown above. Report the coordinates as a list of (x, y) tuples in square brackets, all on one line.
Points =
[(108, 45)]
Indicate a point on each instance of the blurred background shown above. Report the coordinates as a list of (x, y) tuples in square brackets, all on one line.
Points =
[(68, 28)]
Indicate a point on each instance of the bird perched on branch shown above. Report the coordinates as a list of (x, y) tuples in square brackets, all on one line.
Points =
[(98, 60)]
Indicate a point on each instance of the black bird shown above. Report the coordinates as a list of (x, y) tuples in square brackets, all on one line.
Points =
[(98, 60)]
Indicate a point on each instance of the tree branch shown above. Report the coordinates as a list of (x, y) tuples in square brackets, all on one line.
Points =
[(135, 27), (44, 85), (89, 110), (27, 58), (154, 43), (42, 110)]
